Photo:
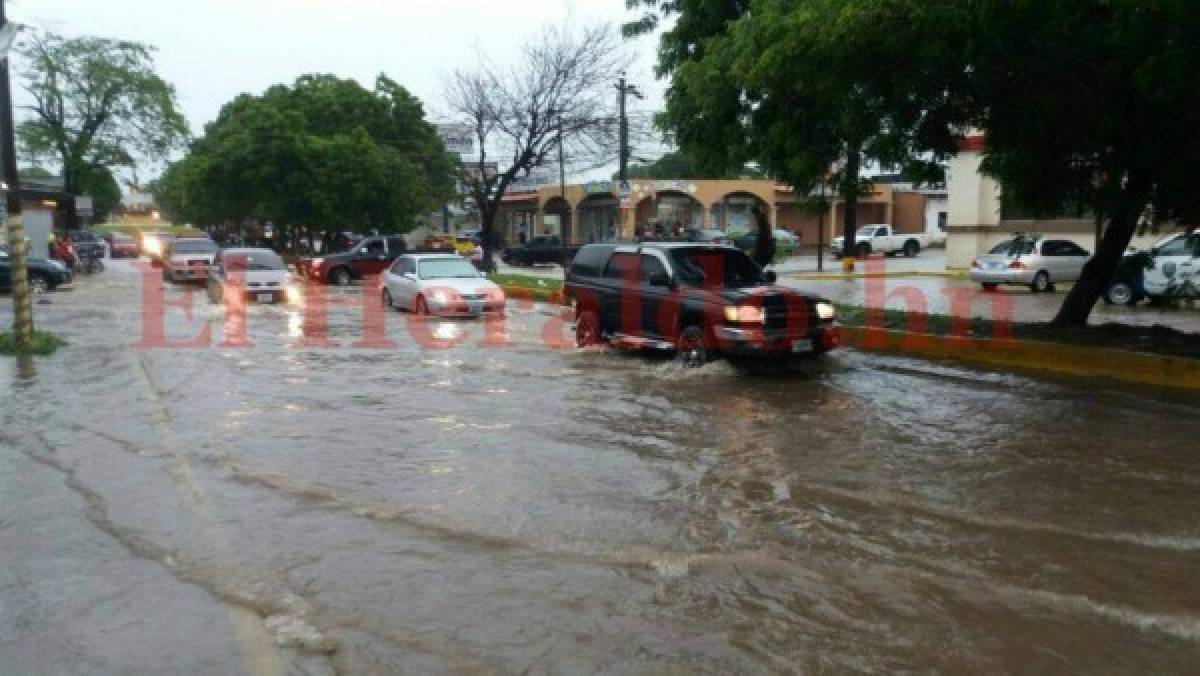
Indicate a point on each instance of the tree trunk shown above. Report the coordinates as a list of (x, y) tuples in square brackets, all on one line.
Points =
[(487, 221), (1098, 271), (849, 190)]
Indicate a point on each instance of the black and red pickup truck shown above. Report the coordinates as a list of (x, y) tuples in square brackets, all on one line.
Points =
[(366, 257), (698, 300)]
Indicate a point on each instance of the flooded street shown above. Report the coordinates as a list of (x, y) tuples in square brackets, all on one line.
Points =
[(527, 509)]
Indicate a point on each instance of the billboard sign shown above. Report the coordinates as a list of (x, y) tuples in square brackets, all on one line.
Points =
[(459, 138)]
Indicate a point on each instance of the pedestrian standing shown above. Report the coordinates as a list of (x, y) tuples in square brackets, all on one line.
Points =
[(764, 241)]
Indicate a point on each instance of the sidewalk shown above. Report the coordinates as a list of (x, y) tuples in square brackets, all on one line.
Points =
[(928, 264)]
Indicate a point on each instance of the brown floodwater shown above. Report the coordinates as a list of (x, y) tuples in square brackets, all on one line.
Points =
[(527, 509)]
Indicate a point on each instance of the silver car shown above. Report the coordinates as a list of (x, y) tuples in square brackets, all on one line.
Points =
[(187, 260), (446, 285), (1030, 261)]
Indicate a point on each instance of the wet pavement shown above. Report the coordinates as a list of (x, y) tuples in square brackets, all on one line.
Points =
[(530, 509)]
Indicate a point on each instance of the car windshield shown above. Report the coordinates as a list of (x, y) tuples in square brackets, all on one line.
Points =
[(253, 260), (446, 268), (721, 268), (193, 246), (1014, 247)]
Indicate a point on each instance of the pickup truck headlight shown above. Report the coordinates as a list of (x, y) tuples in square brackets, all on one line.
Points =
[(744, 314), (826, 311)]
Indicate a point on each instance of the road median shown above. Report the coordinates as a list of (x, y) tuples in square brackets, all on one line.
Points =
[(1155, 355)]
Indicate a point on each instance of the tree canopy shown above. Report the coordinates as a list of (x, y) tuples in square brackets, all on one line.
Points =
[(98, 105), (677, 164), (323, 152), (811, 91), (1081, 101)]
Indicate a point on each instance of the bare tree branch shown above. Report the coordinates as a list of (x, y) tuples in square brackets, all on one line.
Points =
[(558, 91)]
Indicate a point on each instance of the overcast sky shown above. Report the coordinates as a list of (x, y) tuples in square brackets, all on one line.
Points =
[(212, 50)]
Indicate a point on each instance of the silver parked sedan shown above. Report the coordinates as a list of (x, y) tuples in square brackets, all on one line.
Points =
[(1030, 261)]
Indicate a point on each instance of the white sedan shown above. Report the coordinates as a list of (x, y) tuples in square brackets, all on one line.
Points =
[(440, 284)]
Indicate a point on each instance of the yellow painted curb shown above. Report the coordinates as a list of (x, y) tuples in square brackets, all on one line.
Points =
[(1075, 360)]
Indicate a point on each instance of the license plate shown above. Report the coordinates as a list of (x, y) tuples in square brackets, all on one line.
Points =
[(805, 345), (266, 298), (475, 308), (995, 266)]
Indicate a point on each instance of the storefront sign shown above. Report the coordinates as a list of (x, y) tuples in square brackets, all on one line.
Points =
[(594, 187), (458, 138), (679, 186)]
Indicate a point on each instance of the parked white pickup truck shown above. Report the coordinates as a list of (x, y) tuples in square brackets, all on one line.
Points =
[(880, 239)]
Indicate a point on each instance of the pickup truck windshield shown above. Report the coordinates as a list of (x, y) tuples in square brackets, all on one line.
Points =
[(446, 268), (715, 268), (867, 231)]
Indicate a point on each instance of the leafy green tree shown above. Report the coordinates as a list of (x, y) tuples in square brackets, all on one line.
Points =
[(1083, 102), (676, 164), (810, 90), (1093, 103), (98, 104), (101, 185), (324, 152)]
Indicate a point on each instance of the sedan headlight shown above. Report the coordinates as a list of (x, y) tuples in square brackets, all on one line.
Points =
[(744, 314), (57, 265), (317, 262), (826, 311), (439, 297)]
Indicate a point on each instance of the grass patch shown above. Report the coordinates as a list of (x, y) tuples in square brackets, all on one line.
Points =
[(42, 344), (1155, 339), (528, 287)]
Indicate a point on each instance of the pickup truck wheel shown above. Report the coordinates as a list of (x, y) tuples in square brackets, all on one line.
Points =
[(911, 248), (340, 277), (862, 250), (690, 348), (1041, 282), (990, 286), (587, 329)]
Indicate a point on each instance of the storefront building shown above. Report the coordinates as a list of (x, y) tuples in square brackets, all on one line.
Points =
[(598, 210)]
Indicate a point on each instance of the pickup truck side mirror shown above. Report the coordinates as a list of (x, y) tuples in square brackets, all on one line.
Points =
[(770, 277)]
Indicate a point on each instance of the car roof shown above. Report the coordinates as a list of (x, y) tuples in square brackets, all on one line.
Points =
[(667, 246)]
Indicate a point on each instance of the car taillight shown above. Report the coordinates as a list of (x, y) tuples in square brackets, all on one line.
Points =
[(1016, 265), (975, 264)]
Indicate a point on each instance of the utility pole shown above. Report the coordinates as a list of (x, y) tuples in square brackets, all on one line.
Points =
[(22, 303), (566, 225), (624, 89)]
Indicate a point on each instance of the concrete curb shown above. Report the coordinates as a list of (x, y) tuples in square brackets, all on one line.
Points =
[(1029, 355)]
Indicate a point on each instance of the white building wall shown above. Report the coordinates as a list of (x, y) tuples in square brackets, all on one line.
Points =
[(973, 204)]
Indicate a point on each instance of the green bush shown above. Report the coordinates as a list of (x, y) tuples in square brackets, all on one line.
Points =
[(42, 344)]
